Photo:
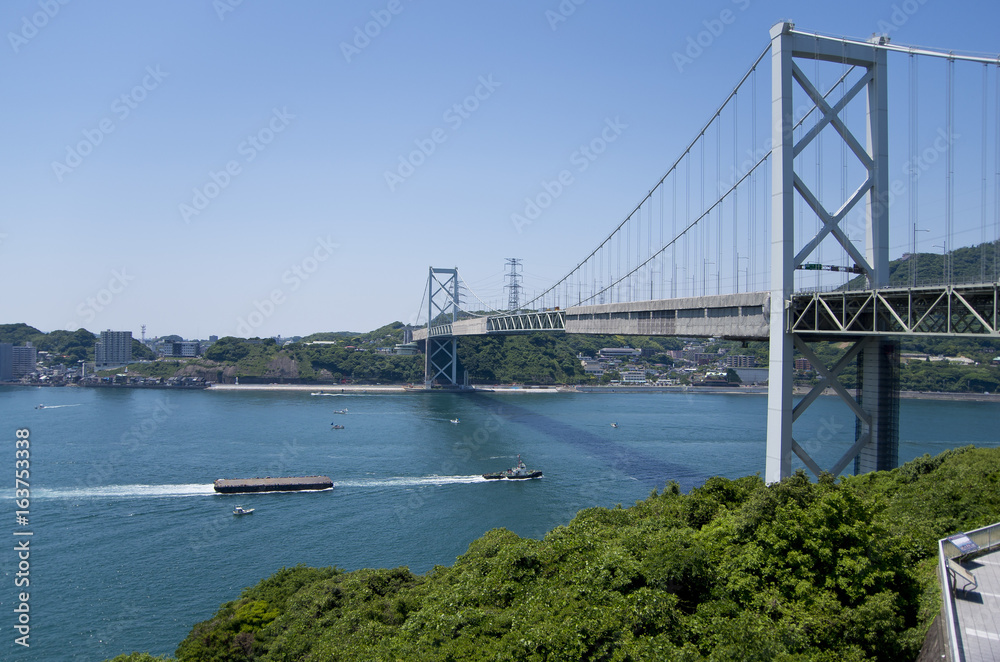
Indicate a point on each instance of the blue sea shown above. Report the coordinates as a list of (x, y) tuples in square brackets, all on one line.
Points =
[(130, 546)]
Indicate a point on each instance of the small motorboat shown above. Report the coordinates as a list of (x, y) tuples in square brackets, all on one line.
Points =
[(40, 407), (240, 510), (336, 427), (614, 425), (517, 472), (340, 411), (455, 421)]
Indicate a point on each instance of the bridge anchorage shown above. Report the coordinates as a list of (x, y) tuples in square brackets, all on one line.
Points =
[(866, 313)]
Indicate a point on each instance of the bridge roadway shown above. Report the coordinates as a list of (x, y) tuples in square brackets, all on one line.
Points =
[(743, 316), (940, 310)]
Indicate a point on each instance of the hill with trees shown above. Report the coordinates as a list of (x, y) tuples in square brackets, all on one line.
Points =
[(838, 569), (67, 347)]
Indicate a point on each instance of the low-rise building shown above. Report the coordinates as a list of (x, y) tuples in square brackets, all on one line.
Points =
[(188, 348), (619, 352), (740, 361), (633, 376)]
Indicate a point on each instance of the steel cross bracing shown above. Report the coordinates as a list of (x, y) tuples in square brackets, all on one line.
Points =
[(441, 355)]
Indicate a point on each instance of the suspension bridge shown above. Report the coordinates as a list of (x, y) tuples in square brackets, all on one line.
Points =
[(774, 224)]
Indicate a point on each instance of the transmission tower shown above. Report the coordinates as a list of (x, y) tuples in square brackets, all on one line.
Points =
[(513, 286)]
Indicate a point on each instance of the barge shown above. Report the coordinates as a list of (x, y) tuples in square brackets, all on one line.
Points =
[(269, 484)]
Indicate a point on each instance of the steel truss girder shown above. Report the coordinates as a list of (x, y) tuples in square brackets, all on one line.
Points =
[(546, 320), (944, 311)]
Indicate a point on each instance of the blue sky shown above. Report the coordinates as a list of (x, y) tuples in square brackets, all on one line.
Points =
[(216, 167)]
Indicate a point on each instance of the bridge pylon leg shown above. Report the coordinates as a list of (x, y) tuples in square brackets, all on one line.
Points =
[(878, 394)]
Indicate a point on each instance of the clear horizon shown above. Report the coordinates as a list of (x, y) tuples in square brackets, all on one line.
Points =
[(207, 167)]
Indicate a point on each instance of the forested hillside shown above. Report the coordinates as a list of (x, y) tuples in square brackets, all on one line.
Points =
[(831, 570)]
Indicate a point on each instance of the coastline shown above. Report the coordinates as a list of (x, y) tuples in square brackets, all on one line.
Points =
[(387, 389)]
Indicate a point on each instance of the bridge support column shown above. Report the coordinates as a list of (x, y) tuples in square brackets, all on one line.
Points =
[(878, 395)]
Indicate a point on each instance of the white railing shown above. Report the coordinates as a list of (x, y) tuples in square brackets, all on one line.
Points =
[(986, 538)]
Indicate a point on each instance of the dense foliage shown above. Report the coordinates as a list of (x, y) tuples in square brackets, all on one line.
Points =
[(969, 264), (735, 570), (65, 346)]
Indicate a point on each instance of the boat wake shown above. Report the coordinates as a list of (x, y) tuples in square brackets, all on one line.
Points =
[(55, 406), (125, 491), (409, 481)]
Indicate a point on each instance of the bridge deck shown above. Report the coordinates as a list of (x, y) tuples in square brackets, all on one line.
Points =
[(742, 316), (977, 612)]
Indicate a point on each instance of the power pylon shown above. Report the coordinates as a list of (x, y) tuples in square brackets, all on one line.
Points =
[(513, 285)]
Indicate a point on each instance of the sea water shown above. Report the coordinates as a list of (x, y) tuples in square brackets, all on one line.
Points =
[(130, 546)]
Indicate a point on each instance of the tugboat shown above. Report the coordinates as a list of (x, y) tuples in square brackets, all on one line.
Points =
[(517, 472)]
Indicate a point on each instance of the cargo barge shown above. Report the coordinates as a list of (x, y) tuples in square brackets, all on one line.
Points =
[(269, 484)]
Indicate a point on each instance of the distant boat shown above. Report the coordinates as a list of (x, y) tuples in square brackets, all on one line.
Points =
[(240, 510), (337, 427), (517, 472), (340, 411), (614, 425), (40, 407), (454, 420)]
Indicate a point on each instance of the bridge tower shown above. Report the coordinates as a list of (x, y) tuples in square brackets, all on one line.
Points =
[(441, 355), (876, 406)]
